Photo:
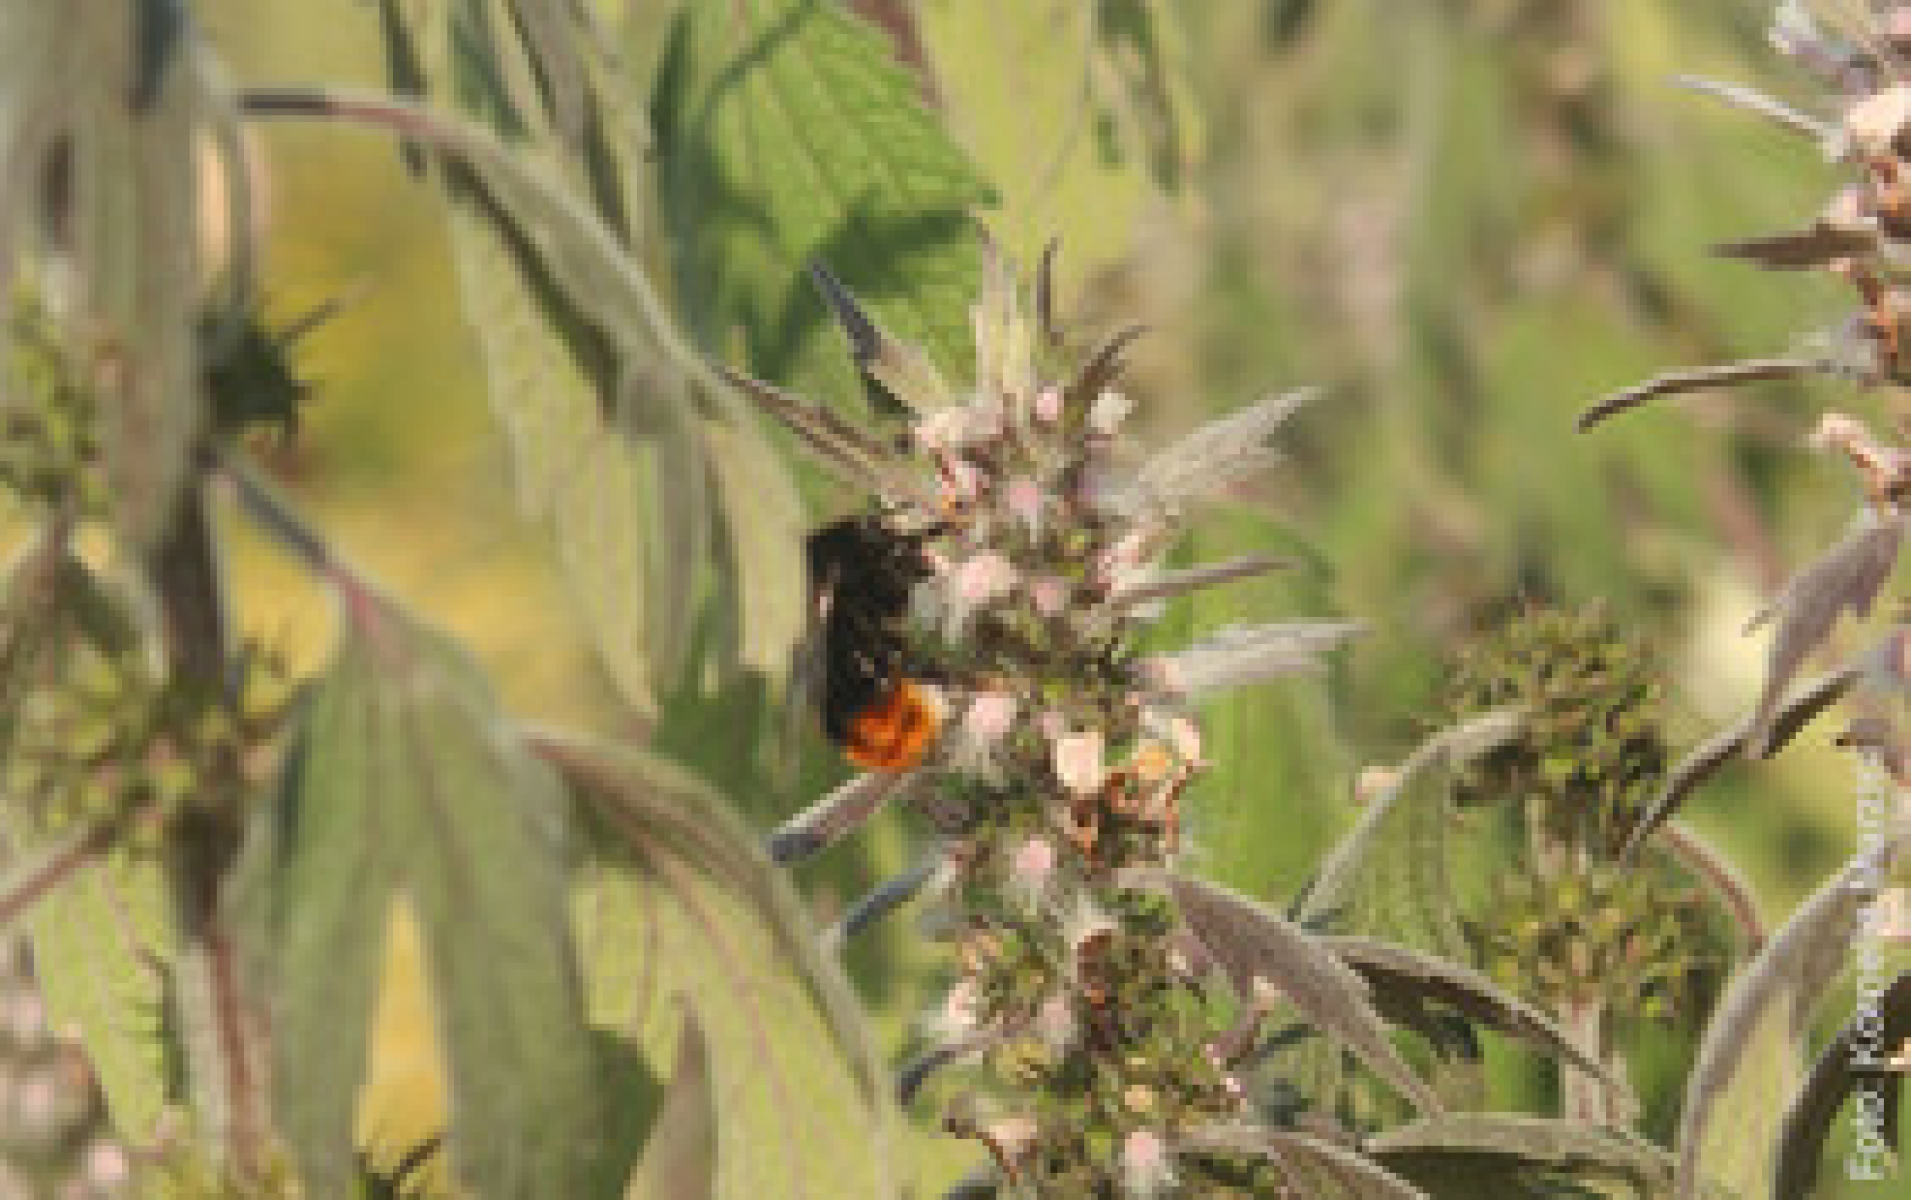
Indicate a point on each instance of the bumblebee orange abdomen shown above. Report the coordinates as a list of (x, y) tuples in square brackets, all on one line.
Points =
[(894, 734)]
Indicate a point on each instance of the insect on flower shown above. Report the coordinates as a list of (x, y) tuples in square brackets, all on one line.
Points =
[(872, 698)]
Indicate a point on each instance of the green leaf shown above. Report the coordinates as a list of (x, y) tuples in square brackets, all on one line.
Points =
[(1748, 1066), (1388, 876), (681, 910), (101, 939), (787, 135), (1511, 1154), (1307, 1165), (1404, 981), (100, 946), (1849, 1062), (1257, 947), (597, 390), (1018, 82), (407, 781)]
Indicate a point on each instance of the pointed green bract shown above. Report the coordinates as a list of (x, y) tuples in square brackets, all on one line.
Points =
[(787, 135), (406, 781)]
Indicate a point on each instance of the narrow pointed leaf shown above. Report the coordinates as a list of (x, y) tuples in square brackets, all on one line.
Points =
[(1747, 1068), (1495, 1154), (1308, 1165), (1403, 980), (679, 1160), (1257, 948), (1850, 1061)]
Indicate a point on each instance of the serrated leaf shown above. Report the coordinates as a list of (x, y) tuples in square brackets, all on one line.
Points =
[(1748, 1065), (405, 780), (101, 938), (1018, 82), (680, 906), (786, 135), (100, 945), (592, 381), (1511, 1154)]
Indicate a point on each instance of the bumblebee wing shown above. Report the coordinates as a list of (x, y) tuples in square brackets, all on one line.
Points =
[(808, 670)]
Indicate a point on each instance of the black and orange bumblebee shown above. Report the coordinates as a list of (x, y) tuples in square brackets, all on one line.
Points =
[(872, 693)]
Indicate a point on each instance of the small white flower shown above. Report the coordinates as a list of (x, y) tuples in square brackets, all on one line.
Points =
[(1875, 121), (1147, 1169), (1185, 736), (959, 1015), (1055, 1023), (1108, 411), (1078, 761), (1012, 1136)]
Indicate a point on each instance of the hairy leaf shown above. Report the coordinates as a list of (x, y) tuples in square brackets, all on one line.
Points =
[(681, 909), (1403, 981), (679, 1160), (1755, 734), (101, 937), (1388, 876), (1512, 1154), (1308, 1165), (1747, 1067), (1848, 576), (407, 781), (787, 136), (123, 213), (1849, 1062), (1260, 949), (595, 386), (100, 945)]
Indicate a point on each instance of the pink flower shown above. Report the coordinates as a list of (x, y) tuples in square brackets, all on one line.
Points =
[(1146, 1168), (1032, 872), (991, 715), (1049, 593), (1025, 498), (974, 582), (1048, 405), (988, 719)]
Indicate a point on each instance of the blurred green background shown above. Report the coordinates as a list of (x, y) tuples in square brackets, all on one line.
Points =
[(1463, 220)]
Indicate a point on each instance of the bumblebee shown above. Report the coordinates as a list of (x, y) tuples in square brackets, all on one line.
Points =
[(871, 696)]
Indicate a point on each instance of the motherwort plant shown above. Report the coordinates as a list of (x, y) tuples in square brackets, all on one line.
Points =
[(1114, 1006)]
